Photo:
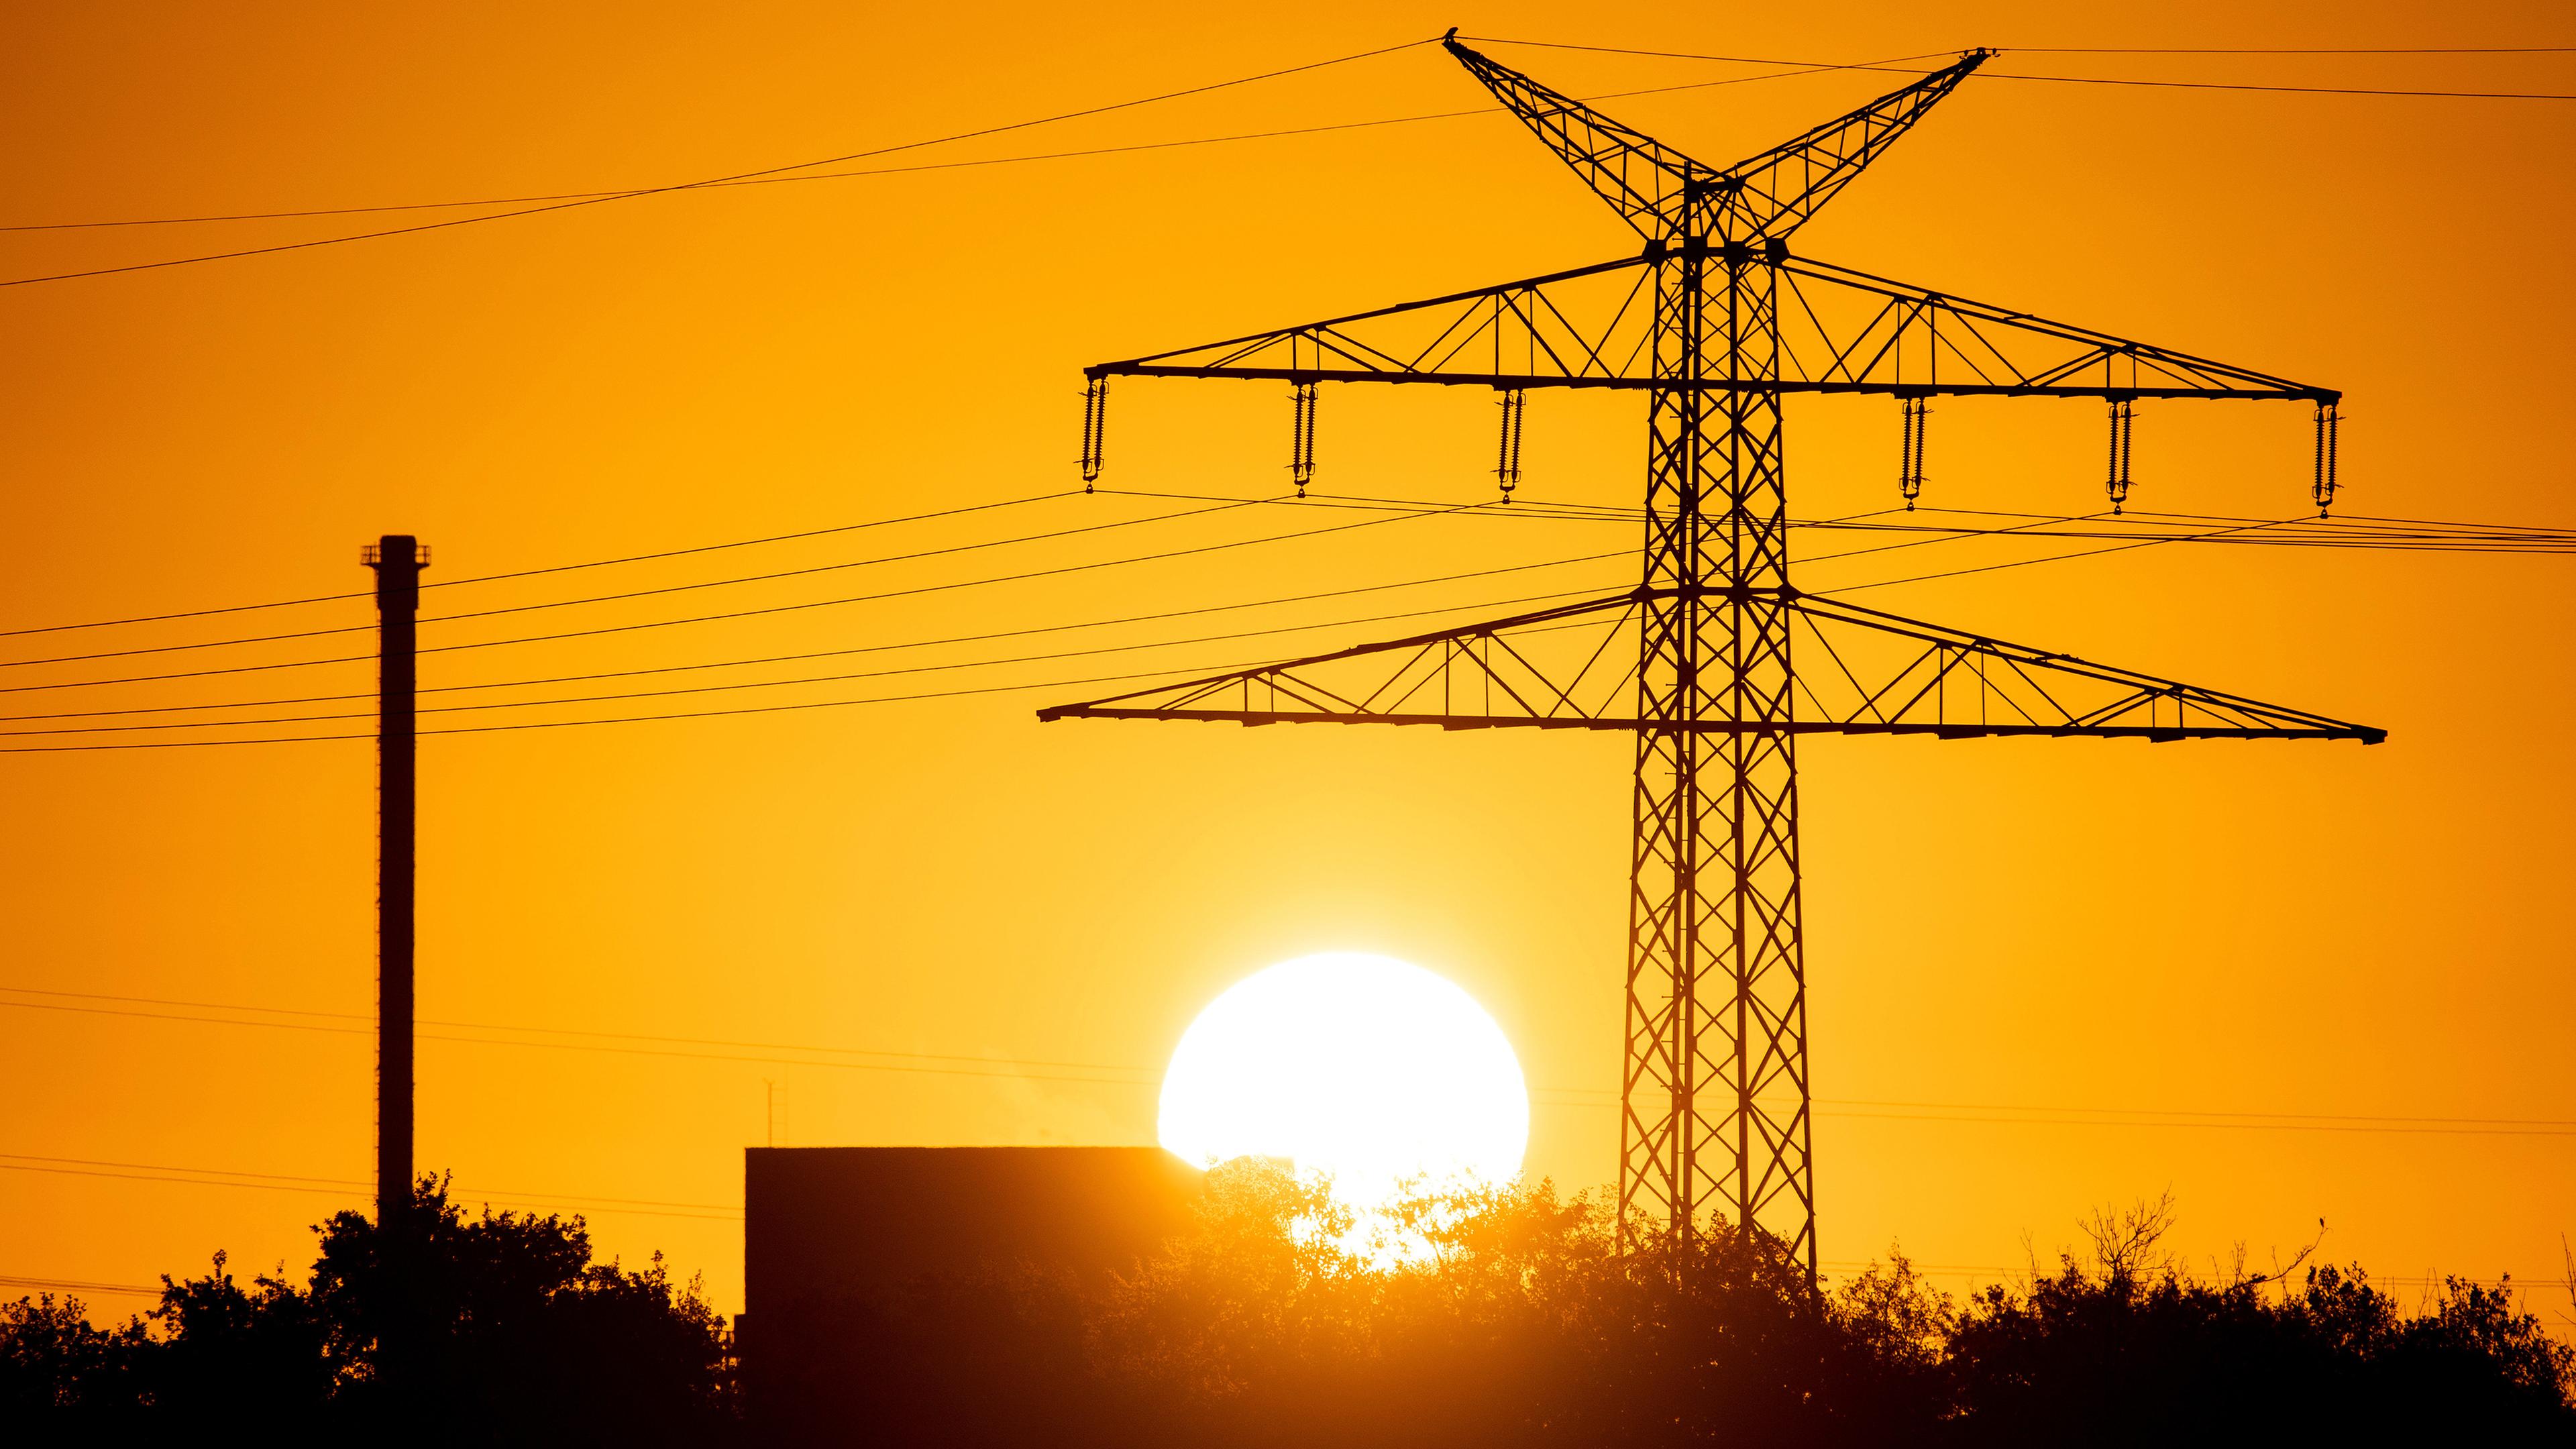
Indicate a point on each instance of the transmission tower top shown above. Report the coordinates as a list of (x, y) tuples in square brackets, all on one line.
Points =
[(1670, 197)]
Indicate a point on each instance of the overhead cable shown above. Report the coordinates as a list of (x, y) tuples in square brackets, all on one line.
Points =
[(2027, 562), (2043, 1114), (1797, 68), (648, 718), (840, 653), (550, 568), (811, 679), (771, 577), (1020, 577), (2087, 80), (284, 1182), (602, 198)]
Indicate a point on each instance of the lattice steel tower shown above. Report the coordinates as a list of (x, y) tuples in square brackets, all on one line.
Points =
[(1716, 322)]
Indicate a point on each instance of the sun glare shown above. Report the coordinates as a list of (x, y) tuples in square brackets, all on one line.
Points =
[(1365, 1068)]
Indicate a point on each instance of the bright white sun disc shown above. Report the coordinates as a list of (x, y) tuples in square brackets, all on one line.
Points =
[(1364, 1067)]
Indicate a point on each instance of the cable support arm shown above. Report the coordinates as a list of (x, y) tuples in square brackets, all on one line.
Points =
[(1842, 331), (1665, 194), (1574, 667), (1641, 178), (1517, 333), (1845, 330), (1768, 196)]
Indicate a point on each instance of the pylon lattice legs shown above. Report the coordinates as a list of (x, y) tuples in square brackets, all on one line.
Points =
[(1714, 1097)]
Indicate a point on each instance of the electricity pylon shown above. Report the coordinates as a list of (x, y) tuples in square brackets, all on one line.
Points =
[(1716, 321)]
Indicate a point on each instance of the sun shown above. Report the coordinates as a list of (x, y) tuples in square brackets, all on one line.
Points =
[(1366, 1068)]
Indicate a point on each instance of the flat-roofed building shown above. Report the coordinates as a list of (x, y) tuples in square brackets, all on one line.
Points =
[(922, 1294)]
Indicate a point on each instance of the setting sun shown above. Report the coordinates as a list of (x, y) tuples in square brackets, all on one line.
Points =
[(1365, 1068)]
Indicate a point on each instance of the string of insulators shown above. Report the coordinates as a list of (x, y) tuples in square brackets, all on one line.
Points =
[(1507, 458), (1301, 440), (2119, 479), (1095, 419), (1909, 466), (2328, 423)]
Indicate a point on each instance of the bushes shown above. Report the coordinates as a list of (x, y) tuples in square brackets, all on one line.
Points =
[(2131, 1350), (1505, 1318), (52, 1360), (1517, 1321), (1523, 1324), (516, 1337)]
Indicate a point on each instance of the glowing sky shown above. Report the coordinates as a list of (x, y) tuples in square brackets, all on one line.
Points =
[(2005, 938)]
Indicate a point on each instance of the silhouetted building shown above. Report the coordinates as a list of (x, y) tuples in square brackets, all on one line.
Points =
[(918, 1294)]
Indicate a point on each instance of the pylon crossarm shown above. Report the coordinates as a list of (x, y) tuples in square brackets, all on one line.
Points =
[(1843, 330), (1579, 327), (1866, 673), (1665, 194), (1770, 195), (1870, 672), (1641, 178), (1559, 668)]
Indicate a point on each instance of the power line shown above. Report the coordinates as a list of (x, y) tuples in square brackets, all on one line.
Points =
[(2389, 541), (2087, 80), (1821, 65), (549, 569), (795, 537), (2049, 50), (70, 1285), (1409, 507), (1799, 68), (775, 575), (2291, 50), (1869, 1108), (2228, 1126), (632, 719), (1522, 508), (842, 653), (2104, 80), (547, 1030), (2359, 531), (2022, 563), (2352, 531), (926, 695), (634, 593), (1944, 536), (602, 198), (823, 678), (335, 1187), (1514, 507), (1926, 1111), (744, 1052), (1020, 577)]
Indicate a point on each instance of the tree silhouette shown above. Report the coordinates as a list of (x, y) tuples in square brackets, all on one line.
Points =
[(520, 1338), (1523, 1324), (1508, 1317), (52, 1360)]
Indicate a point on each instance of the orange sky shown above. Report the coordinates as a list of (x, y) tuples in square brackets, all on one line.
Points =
[(2051, 925)]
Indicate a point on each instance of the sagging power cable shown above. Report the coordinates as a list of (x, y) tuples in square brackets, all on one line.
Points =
[(739, 176)]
